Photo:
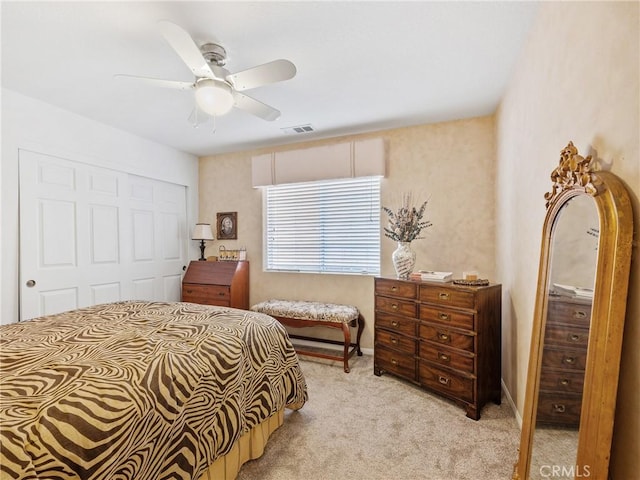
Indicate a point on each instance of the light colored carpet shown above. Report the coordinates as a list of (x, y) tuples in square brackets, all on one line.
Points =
[(554, 447), (359, 426)]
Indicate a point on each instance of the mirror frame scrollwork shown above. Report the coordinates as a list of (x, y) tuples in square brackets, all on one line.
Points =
[(574, 176)]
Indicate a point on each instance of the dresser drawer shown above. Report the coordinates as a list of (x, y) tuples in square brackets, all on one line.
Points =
[(206, 294), (396, 341), (395, 288), (566, 336), (445, 336), (394, 362), (446, 317), (564, 358), (569, 313), (561, 382), (393, 305), (446, 382), (559, 409), (442, 355), (403, 325), (447, 296)]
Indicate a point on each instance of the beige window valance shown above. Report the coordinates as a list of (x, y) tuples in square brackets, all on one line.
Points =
[(358, 158)]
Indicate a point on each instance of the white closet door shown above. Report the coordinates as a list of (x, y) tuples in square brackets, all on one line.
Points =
[(156, 239), (87, 238)]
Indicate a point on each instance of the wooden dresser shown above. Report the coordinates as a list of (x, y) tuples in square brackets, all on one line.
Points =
[(563, 360), (444, 337), (217, 283)]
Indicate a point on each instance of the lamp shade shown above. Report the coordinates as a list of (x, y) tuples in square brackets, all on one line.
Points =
[(202, 231), (214, 96)]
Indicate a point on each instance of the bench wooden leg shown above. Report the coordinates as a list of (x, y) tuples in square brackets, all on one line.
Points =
[(347, 344), (360, 330), (349, 348)]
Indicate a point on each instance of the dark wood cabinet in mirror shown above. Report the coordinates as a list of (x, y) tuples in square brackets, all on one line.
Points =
[(578, 322)]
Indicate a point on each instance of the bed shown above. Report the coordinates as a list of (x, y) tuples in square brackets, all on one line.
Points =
[(142, 390)]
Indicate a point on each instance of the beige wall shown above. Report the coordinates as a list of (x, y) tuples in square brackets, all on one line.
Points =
[(577, 79), (451, 164)]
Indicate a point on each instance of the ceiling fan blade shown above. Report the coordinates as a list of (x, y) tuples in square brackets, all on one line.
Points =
[(186, 48), (255, 107), (158, 82), (271, 72)]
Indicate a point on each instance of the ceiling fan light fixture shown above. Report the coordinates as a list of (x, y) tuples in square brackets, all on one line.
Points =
[(214, 96)]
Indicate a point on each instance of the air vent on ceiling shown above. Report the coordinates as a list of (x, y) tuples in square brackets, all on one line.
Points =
[(298, 129)]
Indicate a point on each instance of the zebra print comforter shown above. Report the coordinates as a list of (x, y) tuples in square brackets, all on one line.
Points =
[(138, 390)]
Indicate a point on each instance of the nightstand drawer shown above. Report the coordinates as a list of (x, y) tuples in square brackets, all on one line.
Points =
[(446, 317), (406, 326), (446, 336), (447, 357), (451, 297), (395, 289), (446, 382), (393, 305), (397, 363), (395, 341)]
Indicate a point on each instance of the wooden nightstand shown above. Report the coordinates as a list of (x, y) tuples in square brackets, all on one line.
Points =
[(217, 283)]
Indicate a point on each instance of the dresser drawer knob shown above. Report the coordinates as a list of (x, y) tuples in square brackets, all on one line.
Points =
[(189, 291), (395, 323), (574, 337), (443, 380), (444, 357), (559, 408), (394, 340), (394, 362), (569, 360), (443, 296), (221, 294), (579, 314), (565, 382), (394, 306), (394, 288), (444, 316), (444, 337)]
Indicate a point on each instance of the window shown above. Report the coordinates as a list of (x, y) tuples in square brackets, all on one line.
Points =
[(324, 227)]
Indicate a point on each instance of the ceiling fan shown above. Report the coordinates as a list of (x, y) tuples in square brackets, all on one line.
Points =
[(216, 90)]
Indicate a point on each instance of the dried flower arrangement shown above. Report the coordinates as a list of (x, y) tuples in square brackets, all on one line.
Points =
[(406, 223)]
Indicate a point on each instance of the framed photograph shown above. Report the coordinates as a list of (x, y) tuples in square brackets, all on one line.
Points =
[(227, 225)]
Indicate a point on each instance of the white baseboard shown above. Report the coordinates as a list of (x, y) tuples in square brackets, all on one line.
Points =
[(511, 403)]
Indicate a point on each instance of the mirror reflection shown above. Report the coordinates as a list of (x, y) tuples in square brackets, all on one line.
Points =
[(572, 268)]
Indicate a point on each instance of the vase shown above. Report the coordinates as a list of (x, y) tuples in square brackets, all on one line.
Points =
[(403, 260)]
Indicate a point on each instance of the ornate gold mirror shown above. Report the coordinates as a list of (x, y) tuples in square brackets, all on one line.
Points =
[(578, 322)]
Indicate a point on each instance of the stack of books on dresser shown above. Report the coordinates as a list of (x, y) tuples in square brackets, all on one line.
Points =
[(573, 291), (429, 276)]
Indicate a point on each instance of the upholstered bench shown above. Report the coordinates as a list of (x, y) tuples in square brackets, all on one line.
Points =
[(298, 314)]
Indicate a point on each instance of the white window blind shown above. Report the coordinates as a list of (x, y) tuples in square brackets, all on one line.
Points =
[(330, 226)]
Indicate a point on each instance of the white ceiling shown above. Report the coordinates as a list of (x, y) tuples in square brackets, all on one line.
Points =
[(362, 66)]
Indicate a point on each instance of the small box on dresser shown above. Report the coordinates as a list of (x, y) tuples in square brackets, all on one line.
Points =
[(225, 284), (444, 337)]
